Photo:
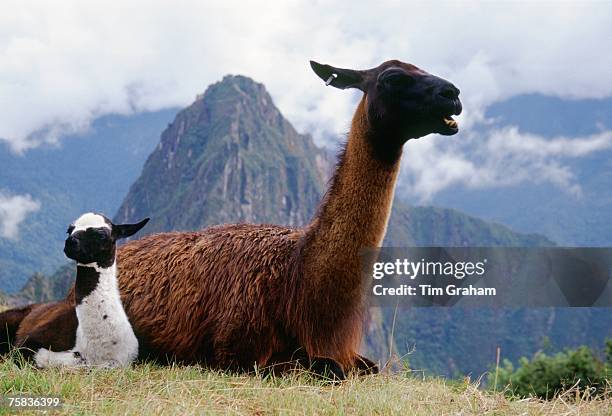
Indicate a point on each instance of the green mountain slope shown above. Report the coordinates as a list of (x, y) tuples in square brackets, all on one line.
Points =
[(431, 226), (454, 341)]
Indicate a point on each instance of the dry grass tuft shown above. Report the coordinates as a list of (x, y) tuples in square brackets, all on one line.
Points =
[(149, 389)]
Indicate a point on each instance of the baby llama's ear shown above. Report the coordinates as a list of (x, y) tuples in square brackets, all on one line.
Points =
[(128, 230)]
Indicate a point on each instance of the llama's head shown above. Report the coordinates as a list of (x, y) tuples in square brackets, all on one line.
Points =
[(403, 101), (92, 238)]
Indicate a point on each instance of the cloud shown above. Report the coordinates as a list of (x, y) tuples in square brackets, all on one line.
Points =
[(64, 63), (498, 157), (13, 210)]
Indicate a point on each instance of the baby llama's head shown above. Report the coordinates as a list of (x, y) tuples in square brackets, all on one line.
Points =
[(92, 238)]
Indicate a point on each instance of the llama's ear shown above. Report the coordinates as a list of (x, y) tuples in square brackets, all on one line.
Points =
[(128, 230), (339, 77)]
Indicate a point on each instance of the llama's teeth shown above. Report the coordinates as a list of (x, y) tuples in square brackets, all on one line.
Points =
[(450, 123)]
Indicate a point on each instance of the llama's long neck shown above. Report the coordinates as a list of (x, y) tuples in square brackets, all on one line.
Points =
[(353, 215), (104, 334), (355, 210), (91, 277)]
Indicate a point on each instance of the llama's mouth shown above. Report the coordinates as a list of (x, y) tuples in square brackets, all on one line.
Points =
[(447, 126), (444, 122)]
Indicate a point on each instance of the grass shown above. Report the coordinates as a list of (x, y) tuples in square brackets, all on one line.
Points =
[(149, 389)]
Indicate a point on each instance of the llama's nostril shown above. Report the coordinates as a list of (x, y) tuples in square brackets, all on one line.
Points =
[(450, 92)]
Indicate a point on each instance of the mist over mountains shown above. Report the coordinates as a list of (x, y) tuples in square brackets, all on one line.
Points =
[(568, 218)]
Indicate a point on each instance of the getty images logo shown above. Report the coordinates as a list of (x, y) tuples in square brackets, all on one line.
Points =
[(421, 268)]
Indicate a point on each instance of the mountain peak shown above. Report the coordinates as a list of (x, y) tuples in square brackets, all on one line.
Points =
[(234, 86), (232, 98), (231, 148)]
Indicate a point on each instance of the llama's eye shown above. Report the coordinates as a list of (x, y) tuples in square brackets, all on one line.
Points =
[(103, 237), (399, 81)]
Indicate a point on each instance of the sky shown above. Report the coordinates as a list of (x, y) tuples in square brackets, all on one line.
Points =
[(64, 63)]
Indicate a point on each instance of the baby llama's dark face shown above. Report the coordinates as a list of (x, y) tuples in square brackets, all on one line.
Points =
[(90, 240)]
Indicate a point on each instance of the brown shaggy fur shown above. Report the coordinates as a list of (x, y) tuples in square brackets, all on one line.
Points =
[(215, 296)]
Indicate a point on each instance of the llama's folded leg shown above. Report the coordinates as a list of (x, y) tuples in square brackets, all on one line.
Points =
[(327, 368), (284, 362), (365, 366), (45, 359)]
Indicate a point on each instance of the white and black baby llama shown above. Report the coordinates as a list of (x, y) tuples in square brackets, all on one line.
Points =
[(104, 336)]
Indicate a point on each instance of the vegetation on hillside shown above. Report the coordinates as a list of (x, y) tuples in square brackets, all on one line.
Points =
[(547, 376)]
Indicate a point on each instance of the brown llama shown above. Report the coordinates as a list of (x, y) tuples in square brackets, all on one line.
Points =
[(235, 296)]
